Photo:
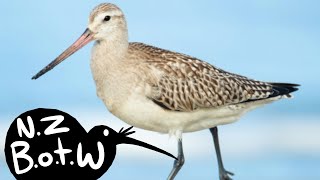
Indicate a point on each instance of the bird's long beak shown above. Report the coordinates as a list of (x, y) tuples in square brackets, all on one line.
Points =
[(84, 39)]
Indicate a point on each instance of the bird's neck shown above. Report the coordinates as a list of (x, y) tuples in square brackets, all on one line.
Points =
[(107, 65), (110, 51)]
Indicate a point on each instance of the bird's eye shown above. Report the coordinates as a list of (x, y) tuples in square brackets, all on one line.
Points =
[(107, 18), (106, 132)]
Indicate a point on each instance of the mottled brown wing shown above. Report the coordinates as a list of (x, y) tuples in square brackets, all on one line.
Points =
[(186, 83)]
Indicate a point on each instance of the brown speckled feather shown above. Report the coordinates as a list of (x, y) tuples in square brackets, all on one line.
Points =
[(186, 83)]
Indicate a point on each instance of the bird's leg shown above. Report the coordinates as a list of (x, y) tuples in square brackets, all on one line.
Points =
[(223, 174), (177, 165)]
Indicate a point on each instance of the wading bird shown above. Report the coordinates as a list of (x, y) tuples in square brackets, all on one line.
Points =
[(165, 91)]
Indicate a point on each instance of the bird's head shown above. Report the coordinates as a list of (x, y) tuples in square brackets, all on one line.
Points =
[(106, 23)]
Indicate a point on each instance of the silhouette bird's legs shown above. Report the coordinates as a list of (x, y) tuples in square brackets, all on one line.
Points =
[(177, 165), (223, 174)]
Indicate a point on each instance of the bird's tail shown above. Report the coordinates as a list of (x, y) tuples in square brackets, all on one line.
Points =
[(283, 89)]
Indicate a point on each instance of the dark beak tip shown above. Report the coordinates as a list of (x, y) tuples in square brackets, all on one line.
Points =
[(35, 77)]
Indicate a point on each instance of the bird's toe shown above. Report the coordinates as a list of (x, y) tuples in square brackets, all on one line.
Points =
[(225, 175)]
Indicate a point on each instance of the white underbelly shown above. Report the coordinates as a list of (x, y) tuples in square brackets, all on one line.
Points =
[(139, 111)]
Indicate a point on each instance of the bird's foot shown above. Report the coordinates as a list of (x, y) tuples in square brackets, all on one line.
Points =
[(225, 175)]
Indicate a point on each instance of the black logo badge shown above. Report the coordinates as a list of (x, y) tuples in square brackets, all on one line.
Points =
[(51, 144)]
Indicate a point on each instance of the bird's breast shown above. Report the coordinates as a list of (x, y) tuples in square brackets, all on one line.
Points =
[(114, 85)]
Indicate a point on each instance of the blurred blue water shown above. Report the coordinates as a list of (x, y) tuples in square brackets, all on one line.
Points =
[(289, 167), (273, 166)]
